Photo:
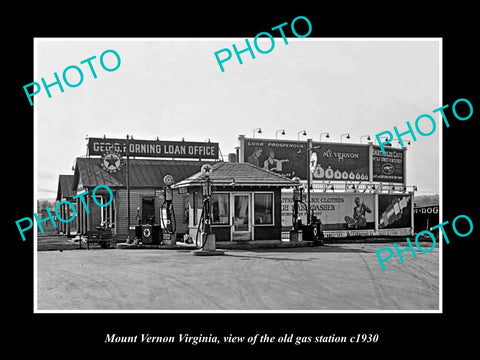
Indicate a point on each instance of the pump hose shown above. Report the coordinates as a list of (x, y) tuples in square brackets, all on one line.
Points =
[(201, 222), (174, 221), (161, 215)]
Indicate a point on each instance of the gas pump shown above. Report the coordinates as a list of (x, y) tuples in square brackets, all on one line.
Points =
[(316, 229), (169, 224), (204, 229), (296, 233), (206, 246), (312, 230)]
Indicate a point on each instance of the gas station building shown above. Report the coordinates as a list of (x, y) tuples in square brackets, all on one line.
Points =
[(146, 194), (246, 201)]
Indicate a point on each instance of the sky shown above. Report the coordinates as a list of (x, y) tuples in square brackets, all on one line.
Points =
[(174, 89)]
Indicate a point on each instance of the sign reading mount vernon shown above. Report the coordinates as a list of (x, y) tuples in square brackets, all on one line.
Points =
[(154, 148)]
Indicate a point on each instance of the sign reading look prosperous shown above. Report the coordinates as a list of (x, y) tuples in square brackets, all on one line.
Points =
[(154, 148)]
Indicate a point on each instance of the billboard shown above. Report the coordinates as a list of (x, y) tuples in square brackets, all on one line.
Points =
[(336, 211), (394, 211), (341, 162), (288, 158), (335, 161), (388, 167), (155, 148)]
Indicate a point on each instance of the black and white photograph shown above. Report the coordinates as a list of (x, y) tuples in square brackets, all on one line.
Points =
[(239, 181), (293, 209)]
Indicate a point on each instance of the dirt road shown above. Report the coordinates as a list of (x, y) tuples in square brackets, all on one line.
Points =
[(333, 277)]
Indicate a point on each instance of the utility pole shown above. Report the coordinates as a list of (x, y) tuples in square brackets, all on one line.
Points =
[(128, 187), (309, 178)]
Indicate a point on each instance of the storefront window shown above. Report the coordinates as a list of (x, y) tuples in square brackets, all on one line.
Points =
[(220, 209), (263, 208)]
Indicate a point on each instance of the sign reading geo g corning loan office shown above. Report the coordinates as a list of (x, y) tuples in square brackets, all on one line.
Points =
[(154, 148)]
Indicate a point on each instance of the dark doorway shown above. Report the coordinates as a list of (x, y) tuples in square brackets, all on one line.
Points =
[(148, 210)]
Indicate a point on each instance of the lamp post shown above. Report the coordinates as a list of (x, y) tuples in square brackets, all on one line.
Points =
[(276, 133), (303, 132), (259, 130), (367, 136), (341, 136), (405, 142), (309, 178), (311, 163), (324, 133), (385, 144)]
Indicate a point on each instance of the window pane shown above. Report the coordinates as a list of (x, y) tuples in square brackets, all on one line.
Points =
[(263, 209), (221, 209)]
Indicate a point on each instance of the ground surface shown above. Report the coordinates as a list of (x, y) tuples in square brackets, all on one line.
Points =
[(333, 277)]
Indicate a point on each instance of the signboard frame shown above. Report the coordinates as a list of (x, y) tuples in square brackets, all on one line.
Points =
[(388, 167), (154, 148), (368, 170)]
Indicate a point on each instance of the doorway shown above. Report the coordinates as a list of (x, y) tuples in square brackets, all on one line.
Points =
[(148, 210), (241, 210)]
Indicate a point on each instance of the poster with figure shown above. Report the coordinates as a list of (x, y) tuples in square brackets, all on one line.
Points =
[(394, 211), (287, 158), (335, 161), (335, 211)]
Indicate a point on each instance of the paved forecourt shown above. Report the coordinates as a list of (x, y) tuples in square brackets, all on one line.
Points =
[(333, 277)]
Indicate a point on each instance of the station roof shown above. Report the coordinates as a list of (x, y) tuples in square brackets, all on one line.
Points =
[(144, 173), (238, 174), (65, 187)]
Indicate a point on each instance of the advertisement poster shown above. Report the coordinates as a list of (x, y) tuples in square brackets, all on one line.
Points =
[(288, 158), (341, 162), (336, 211), (394, 211), (388, 167), (335, 162)]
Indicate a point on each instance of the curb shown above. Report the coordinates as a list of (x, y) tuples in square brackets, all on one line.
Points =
[(152, 246), (272, 245), (223, 245)]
